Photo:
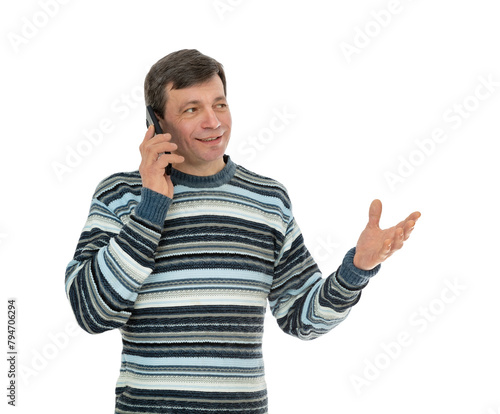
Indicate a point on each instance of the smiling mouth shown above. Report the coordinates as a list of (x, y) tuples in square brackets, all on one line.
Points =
[(208, 139)]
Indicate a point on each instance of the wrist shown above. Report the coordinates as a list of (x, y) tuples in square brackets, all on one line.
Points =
[(153, 206), (358, 262), (353, 275)]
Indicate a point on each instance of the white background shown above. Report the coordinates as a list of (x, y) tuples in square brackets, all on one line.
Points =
[(362, 83)]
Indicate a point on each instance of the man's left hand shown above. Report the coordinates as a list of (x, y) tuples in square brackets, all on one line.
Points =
[(376, 245)]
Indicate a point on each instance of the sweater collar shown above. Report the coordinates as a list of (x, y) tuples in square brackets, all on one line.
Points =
[(209, 181)]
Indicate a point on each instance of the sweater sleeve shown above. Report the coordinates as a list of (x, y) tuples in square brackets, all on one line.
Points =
[(113, 257), (306, 304)]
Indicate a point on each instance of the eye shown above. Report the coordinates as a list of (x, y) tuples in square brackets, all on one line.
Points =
[(221, 106), (190, 110)]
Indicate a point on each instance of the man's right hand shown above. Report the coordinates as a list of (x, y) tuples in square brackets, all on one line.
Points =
[(152, 168)]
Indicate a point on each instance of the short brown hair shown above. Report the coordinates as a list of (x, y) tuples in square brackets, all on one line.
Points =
[(184, 68)]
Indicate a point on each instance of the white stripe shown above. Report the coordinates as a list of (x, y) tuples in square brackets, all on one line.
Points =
[(192, 383), (201, 297), (199, 274), (254, 363)]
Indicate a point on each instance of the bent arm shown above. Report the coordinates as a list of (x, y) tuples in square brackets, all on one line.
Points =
[(112, 260), (305, 304)]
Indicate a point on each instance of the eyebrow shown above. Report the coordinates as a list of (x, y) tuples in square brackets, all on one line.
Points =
[(197, 102)]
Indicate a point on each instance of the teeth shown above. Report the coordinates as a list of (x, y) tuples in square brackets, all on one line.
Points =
[(209, 139)]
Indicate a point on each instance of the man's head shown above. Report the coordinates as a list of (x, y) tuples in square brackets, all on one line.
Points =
[(184, 68), (187, 90)]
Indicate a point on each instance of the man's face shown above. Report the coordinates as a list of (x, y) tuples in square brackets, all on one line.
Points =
[(199, 120)]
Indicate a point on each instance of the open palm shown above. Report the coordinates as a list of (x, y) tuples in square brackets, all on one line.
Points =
[(374, 244)]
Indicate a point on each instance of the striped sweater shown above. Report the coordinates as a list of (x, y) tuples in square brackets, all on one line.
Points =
[(187, 281)]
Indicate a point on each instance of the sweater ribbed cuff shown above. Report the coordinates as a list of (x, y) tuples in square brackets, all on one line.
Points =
[(153, 206), (353, 276)]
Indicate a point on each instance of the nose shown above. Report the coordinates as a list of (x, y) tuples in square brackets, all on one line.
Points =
[(210, 119)]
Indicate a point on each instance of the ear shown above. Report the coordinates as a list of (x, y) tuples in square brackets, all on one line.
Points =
[(163, 123)]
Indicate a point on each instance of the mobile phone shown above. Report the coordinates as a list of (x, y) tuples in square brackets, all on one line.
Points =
[(152, 119)]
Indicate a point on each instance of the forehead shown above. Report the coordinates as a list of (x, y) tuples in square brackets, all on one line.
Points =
[(208, 91)]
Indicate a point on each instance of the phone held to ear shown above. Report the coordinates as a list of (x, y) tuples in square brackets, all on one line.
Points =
[(152, 119)]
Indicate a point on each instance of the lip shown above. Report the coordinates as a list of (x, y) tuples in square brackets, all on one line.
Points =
[(210, 140)]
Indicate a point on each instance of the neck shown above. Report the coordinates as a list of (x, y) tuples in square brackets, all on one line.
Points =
[(203, 169), (217, 179)]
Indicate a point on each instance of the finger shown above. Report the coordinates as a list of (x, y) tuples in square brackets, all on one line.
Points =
[(399, 238), (149, 139), (408, 228), (413, 216), (375, 213), (165, 159), (386, 249), (159, 148), (387, 246), (150, 133), (156, 146)]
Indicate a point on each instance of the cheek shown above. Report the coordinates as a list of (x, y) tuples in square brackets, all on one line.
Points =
[(227, 119), (178, 135), (185, 141)]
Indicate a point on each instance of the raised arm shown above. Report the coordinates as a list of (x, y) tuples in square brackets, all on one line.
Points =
[(116, 249), (114, 255), (305, 304)]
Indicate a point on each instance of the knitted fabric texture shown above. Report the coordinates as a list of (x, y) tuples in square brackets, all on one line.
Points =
[(187, 282)]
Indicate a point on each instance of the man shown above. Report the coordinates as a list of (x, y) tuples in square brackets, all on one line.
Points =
[(184, 264)]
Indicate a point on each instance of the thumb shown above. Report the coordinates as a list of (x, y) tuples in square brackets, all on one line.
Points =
[(375, 213)]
